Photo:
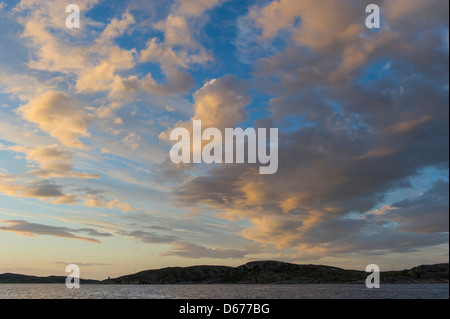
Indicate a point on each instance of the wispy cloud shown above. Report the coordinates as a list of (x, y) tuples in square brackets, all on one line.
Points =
[(43, 190), (149, 237), (24, 228), (189, 250), (53, 161), (81, 264), (61, 116)]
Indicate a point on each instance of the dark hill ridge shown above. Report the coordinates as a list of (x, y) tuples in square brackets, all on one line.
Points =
[(25, 279), (258, 272), (274, 272)]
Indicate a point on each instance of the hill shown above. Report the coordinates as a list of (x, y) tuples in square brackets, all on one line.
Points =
[(9, 278), (257, 272), (274, 272)]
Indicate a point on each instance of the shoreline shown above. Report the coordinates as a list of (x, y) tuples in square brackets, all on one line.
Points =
[(253, 273)]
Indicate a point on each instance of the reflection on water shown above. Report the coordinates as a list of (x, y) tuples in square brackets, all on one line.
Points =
[(59, 291)]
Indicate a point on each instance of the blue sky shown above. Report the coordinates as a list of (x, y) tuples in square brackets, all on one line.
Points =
[(85, 115)]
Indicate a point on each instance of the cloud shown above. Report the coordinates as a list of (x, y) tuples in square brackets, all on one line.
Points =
[(178, 82), (63, 117), (95, 200), (220, 103), (101, 73), (334, 30), (49, 13), (427, 213), (97, 78), (149, 237), (81, 264), (117, 27), (48, 37), (179, 47), (194, 8), (42, 190), (93, 232), (320, 180), (94, 65), (132, 141), (317, 31), (124, 207), (24, 228), (23, 86), (360, 112), (423, 11), (179, 50), (52, 160), (52, 54), (7, 178), (349, 134), (189, 250)]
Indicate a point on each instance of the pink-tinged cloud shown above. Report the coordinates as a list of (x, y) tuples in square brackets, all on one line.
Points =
[(24, 228)]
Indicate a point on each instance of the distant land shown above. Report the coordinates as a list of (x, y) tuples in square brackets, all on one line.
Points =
[(9, 278), (257, 272)]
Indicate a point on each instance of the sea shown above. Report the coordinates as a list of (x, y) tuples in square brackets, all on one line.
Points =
[(318, 291)]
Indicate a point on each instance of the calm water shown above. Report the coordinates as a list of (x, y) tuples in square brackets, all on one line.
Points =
[(59, 291)]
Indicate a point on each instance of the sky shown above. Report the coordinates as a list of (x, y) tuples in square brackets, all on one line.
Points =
[(86, 115)]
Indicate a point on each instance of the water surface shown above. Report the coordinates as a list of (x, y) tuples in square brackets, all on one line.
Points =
[(322, 291)]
